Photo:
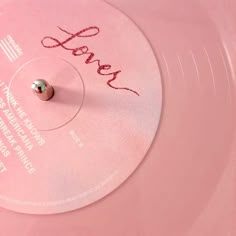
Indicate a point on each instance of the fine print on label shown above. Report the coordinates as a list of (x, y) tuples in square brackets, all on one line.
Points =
[(76, 139), (18, 134), (2, 168), (10, 48)]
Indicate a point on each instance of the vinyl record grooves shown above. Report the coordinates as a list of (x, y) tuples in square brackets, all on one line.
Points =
[(134, 83)]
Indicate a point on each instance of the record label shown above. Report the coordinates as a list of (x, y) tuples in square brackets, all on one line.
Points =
[(68, 152)]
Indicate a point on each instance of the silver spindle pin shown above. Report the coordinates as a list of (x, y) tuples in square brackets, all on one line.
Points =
[(42, 89)]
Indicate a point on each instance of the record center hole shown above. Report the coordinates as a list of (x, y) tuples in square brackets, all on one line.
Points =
[(42, 89)]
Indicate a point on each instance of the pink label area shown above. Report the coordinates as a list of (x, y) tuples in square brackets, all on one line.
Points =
[(73, 150)]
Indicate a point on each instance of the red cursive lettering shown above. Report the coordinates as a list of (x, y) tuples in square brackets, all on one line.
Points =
[(103, 70)]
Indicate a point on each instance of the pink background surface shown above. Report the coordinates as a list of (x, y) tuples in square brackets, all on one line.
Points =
[(186, 185)]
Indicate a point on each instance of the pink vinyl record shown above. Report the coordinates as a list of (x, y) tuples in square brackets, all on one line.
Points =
[(148, 84), (68, 152)]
